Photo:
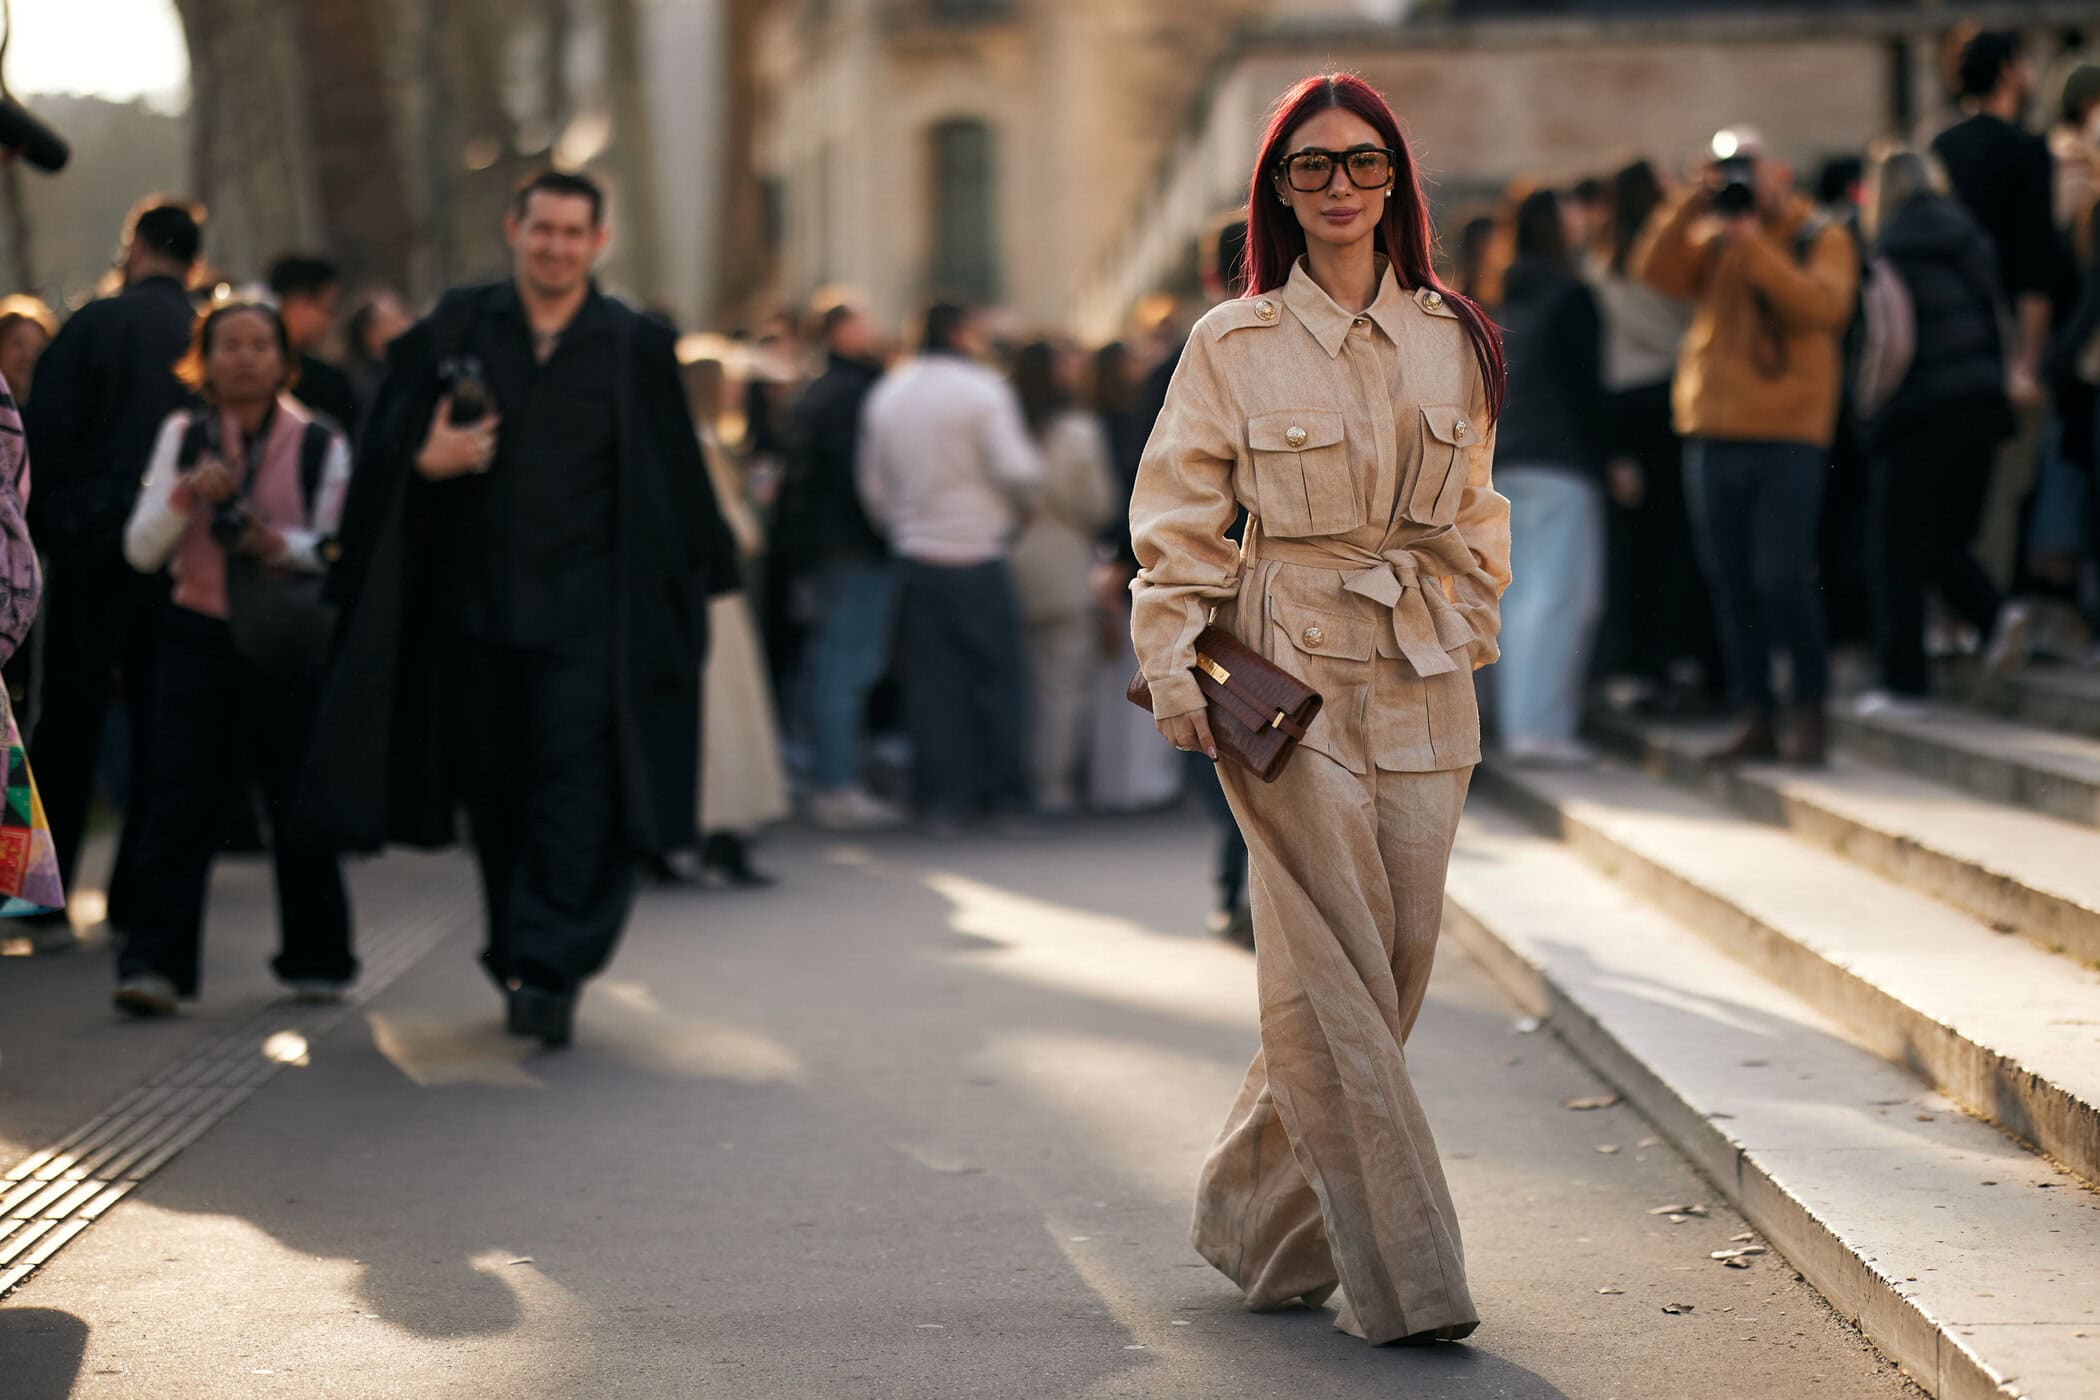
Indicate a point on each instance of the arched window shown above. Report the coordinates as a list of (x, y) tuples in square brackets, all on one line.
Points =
[(965, 252)]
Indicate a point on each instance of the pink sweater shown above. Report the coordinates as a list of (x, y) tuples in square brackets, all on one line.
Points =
[(170, 528)]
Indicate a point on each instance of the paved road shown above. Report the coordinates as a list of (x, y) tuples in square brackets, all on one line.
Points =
[(921, 1123)]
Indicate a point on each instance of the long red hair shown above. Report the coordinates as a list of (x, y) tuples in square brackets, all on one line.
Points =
[(1275, 241)]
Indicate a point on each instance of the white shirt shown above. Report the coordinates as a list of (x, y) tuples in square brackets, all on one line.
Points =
[(946, 466)]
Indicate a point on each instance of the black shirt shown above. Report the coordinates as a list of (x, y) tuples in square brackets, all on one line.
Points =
[(2005, 177), (326, 390), (532, 540), (103, 388)]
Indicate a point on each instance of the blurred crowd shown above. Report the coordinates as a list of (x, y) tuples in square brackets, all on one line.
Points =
[(1771, 439), (1752, 422)]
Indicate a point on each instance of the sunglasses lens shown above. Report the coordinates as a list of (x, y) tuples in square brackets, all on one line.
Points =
[(1310, 172), (1369, 169)]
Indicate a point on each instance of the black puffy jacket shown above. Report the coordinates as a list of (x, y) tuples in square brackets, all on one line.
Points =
[(1947, 263)]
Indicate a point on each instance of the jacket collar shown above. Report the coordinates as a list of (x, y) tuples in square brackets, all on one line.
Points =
[(1329, 323), (593, 318)]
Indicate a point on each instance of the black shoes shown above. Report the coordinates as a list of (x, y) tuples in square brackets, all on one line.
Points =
[(726, 857), (723, 862), (537, 1013)]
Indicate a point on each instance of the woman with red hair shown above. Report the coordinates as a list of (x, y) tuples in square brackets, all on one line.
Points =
[(1347, 403)]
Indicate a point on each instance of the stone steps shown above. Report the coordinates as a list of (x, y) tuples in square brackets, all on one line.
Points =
[(1972, 1263), (2009, 867), (2022, 765), (2063, 698), (2006, 1029)]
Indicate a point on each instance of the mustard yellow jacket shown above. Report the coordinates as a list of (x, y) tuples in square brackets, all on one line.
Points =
[(1761, 361), (1378, 550)]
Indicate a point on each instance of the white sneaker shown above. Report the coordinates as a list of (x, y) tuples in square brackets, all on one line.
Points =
[(853, 809), (1886, 704), (315, 991), (146, 996), (2009, 639), (1535, 751)]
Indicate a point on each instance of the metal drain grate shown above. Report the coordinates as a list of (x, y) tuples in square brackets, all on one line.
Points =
[(49, 1197)]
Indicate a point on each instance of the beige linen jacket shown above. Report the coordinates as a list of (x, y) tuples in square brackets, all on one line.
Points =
[(1378, 549)]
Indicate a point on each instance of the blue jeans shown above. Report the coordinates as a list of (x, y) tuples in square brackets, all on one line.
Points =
[(1754, 509), (1549, 616), (846, 653)]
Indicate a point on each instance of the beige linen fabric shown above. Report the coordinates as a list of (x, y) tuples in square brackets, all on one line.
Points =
[(1374, 569)]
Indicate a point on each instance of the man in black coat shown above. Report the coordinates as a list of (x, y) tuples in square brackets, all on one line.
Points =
[(525, 604), (104, 387)]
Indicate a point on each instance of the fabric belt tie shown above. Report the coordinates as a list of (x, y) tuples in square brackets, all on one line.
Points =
[(1426, 626)]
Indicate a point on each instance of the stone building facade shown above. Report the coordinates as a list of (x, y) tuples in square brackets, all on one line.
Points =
[(1059, 158)]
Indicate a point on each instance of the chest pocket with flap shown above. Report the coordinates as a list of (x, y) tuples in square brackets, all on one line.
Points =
[(1448, 433), (1303, 484)]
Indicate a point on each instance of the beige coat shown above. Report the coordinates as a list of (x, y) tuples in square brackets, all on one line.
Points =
[(1374, 570), (1053, 560), (1379, 535)]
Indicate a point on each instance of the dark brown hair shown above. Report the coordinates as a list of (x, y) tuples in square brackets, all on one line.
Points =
[(1275, 241), (564, 183), (190, 368)]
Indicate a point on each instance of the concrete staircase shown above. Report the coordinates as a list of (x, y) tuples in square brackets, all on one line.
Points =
[(1866, 999)]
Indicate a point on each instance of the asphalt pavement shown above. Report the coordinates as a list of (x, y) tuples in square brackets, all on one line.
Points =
[(923, 1121)]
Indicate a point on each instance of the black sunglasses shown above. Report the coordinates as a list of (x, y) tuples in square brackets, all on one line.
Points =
[(1310, 171)]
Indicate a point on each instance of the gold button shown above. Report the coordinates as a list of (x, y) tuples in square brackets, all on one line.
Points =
[(1295, 436), (1433, 300), (1265, 309), (1314, 636), (1461, 430)]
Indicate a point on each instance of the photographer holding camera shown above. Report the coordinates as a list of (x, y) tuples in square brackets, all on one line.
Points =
[(241, 497), (1756, 395)]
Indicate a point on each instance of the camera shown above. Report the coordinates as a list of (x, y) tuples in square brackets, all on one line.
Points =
[(463, 379), (229, 521), (1735, 189)]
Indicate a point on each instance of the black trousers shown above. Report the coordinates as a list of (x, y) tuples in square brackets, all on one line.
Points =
[(966, 688), (1928, 495), (1656, 606), (216, 721), (536, 734), (100, 620)]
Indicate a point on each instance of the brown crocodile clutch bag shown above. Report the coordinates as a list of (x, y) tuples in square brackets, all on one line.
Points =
[(1258, 711)]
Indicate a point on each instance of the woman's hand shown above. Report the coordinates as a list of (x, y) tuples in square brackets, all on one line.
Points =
[(1190, 733), (212, 482), (449, 451), (1629, 485), (262, 542)]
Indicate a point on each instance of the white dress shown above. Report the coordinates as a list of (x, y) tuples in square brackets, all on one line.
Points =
[(742, 783)]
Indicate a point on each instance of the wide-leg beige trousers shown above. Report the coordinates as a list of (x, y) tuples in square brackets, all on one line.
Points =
[(1325, 1173)]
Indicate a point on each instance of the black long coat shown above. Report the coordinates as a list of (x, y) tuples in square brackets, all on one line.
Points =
[(379, 770)]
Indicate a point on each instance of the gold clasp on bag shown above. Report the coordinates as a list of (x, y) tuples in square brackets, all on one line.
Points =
[(1212, 669)]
